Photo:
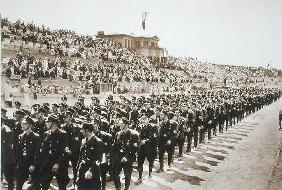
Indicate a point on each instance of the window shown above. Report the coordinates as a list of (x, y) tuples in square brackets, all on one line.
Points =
[(145, 44), (137, 44)]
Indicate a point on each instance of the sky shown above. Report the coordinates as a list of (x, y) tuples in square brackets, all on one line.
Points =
[(232, 32)]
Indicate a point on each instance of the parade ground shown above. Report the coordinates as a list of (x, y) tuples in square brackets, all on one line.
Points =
[(247, 156)]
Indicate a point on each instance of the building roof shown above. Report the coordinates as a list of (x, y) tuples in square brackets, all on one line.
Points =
[(132, 35)]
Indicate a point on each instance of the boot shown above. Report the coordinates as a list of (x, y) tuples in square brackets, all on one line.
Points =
[(161, 165), (150, 171), (139, 181)]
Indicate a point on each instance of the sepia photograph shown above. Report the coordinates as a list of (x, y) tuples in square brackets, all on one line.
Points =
[(141, 94)]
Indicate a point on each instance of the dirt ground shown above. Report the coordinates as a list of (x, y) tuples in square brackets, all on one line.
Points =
[(256, 161)]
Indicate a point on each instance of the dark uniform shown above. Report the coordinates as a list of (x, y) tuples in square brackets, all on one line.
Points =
[(28, 154), (167, 141), (8, 158), (74, 136), (181, 135), (149, 135), (202, 127), (107, 148), (90, 158), (233, 113), (40, 128), (104, 125), (196, 128), (189, 134), (133, 118), (124, 154), (114, 129), (17, 128), (228, 115), (221, 119), (210, 121), (149, 112), (54, 152), (216, 117)]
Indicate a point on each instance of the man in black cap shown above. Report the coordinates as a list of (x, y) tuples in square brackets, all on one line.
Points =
[(196, 128), (104, 124), (63, 107), (148, 146), (78, 107), (47, 109), (55, 108), (54, 161), (17, 126), (95, 102), (81, 100), (18, 105), (8, 158), (134, 116), (28, 155), (35, 107), (90, 157), (228, 115), (4, 121), (210, 121), (148, 111), (181, 135), (127, 107), (107, 141), (221, 119), (40, 124), (167, 139), (74, 140), (233, 113), (190, 130), (125, 147), (4, 117), (114, 125), (203, 127)]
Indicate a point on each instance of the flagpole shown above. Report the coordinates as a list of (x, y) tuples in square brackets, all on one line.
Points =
[(268, 64)]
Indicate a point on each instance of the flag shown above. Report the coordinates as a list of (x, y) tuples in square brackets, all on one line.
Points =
[(144, 20), (143, 24)]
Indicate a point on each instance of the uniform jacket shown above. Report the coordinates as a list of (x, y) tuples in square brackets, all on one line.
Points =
[(149, 133), (107, 141), (167, 132), (28, 149), (54, 148), (74, 138), (7, 146), (90, 157), (40, 128), (125, 146)]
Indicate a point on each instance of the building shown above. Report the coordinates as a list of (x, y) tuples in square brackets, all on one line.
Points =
[(142, 45)]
